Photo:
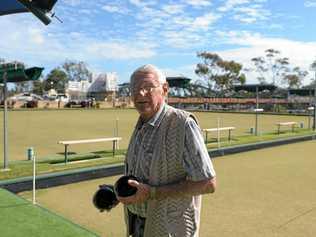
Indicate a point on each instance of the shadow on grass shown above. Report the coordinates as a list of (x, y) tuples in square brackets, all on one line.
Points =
[(75, 158), (15, 205), (69, 153)]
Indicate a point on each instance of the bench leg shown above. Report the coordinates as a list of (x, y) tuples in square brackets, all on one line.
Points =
[(206, 138), (278, 129), (229, 135), (66, 153), (114, 145)]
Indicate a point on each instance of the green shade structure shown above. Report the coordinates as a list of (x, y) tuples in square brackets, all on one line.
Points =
[(255, 87), (178, 81), (39, 8), (20, 74), (13, 72)]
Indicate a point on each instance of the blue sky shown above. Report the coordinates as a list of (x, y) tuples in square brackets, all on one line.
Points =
[(121, 35)]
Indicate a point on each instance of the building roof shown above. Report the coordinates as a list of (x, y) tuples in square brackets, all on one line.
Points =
[(253, 87), (178, 81), (302, 92)]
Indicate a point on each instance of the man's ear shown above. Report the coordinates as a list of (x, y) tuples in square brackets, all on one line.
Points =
[(165, 88)]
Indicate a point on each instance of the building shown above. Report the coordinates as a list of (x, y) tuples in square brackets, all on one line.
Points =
[(102, 87)]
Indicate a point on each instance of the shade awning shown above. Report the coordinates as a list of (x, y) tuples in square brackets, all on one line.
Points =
[(254, 87), (20, 74), (11, 7), (38, 7)]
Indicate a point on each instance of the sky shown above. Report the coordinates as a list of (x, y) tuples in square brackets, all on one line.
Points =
[(121, 35)]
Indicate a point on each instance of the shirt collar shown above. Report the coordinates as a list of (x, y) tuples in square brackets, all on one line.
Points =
[(155, 119)]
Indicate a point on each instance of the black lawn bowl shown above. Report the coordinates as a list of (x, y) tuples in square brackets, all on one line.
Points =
[(122, 188), (105, 198)]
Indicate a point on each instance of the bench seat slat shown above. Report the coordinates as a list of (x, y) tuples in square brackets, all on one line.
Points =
[(218, 129), (90, 140), (287, 123)]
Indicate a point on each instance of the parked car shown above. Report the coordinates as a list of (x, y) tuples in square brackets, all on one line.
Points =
[(26, 97)]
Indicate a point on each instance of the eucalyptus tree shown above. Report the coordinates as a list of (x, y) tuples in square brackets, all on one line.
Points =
[(294, 79), (271, 65), (218, 73)]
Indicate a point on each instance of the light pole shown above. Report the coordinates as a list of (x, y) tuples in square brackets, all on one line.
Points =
[(5, 123), (314, 123), (257, 110)]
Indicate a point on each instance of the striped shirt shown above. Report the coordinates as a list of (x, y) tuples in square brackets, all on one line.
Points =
[(196, 160)]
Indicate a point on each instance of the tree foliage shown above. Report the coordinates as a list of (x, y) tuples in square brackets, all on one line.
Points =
[(38, 86), (294, 79), (218, 72), (313, 68), (271, 66), (57, 79), (77, 71)]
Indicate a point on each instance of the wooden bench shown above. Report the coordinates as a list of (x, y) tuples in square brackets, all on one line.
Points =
[(289, 124), (229, 129), (109, 139)]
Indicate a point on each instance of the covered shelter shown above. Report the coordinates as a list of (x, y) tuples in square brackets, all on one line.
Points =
[(15, 72), (39, 8), (180, 81), (302, 92), (255, 87), (309, 93)]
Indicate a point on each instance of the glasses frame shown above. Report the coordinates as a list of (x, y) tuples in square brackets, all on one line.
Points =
[(144, 90)]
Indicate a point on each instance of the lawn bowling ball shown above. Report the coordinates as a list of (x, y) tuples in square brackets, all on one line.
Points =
[(122, 188), (105, 198)]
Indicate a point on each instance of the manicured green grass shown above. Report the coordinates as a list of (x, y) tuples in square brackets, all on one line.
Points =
[(19, 218), (56, 164), (262, 193), (248, 139), (42, 129)]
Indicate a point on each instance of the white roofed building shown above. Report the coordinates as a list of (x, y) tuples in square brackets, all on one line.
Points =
[(102, 87)]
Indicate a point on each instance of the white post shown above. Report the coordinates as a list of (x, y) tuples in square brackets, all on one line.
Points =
[(218, 133), (34, 177)]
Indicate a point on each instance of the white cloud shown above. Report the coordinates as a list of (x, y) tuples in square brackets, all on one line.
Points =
[(35, 45), (73, 3), (311, 3), (230, 4), (142, 3), (205, 21), (173, 8), (198, 3), (113, 50), (115, 9), (184, 70), (253, 45), (195, 24), (251, 14)]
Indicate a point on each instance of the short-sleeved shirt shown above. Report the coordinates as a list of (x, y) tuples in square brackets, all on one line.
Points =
[(196, 160)]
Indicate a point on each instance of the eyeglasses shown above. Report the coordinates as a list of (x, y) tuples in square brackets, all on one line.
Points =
[(144, 90)]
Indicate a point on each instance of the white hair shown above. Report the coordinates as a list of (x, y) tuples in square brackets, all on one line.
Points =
[(149, 68)]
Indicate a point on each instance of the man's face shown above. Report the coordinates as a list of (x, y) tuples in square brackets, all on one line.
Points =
[(148, 94)]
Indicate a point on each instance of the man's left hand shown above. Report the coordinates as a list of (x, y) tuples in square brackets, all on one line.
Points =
[(142, 194)]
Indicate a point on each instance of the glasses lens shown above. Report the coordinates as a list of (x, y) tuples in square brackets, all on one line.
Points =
[(145, 89)]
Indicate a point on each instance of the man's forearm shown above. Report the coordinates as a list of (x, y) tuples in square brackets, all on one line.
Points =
[(184, 188)]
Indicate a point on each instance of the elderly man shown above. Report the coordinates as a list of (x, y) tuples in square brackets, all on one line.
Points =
[(168, 156)]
